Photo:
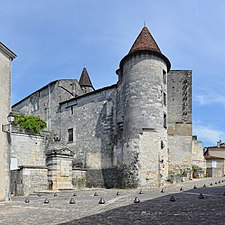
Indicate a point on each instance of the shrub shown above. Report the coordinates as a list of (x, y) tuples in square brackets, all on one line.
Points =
[(30, 124)]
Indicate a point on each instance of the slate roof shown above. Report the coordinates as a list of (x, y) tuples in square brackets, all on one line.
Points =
[(85, 79)]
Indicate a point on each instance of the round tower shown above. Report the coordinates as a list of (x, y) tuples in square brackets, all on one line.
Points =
[(142, 113)]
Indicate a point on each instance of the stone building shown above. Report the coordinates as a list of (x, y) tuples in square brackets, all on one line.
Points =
[(6, 57), (130, 134), (215, 157)]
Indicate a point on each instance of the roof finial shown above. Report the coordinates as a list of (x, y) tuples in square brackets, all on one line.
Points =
[(144, 23)]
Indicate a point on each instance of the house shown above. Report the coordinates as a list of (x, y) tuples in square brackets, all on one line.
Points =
[(215, 156)]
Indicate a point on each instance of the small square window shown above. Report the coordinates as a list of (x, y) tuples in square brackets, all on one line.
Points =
[(70, 135)]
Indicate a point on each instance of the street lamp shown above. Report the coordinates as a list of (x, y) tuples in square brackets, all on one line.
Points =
[(10, 118), (8, 129)]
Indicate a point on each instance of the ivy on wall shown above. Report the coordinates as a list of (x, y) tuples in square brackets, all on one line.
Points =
[(30, 124)]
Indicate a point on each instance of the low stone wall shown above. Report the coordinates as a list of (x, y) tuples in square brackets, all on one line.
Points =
[(214, 172), (27, 180)]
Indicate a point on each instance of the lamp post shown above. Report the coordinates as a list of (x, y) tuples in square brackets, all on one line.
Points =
[(10, 118)]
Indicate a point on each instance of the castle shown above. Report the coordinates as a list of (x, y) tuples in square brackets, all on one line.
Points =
[(131, 134)]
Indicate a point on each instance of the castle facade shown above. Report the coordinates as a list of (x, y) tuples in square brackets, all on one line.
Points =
[(134, 133)]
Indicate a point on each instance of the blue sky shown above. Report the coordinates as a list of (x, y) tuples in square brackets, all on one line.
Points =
[(54, 39)]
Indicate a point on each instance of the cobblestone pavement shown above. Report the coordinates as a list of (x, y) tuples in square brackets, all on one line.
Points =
[(154, 207)]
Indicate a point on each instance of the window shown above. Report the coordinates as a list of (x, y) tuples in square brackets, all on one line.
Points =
[(71, 110), (214, 164), (164, 76), (164, 120), (70, 134), (164, 99)]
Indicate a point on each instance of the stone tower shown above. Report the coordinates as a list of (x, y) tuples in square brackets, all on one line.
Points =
[(142, 113), (6, 57)]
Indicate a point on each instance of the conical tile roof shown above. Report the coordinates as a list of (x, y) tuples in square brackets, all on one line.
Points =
[(145, 41), (85, 79)]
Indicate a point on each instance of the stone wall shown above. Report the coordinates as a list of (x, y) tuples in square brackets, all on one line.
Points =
[(142, 110), (28, 149), (198, 158), (6, 56), (28, 179), (29, 173), (79, 178), (90, 118), (107, 177), (215, 167), (45, 102), (179, 119)]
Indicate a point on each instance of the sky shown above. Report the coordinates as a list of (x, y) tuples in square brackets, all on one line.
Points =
[(55, 39)]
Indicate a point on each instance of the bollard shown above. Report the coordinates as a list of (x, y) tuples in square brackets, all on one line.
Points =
[(201, 196), (136, 200), (172, 199), (72, 201), (95, 194), (27, 200), (46, 201), (101, 201)]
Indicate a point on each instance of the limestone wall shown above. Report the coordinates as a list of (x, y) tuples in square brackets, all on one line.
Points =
[(28, 150), (45, 102), (141, 117), (90, 118), (28, 179), (6, 57), (198, 158), (179, 119)]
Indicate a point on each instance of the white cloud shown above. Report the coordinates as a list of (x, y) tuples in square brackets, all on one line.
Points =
[(209, 98), (208, 134)]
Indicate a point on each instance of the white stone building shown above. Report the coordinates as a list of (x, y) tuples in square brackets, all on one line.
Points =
[(6, 57)]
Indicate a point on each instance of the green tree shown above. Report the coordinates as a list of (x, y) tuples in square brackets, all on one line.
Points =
[(30, 124)]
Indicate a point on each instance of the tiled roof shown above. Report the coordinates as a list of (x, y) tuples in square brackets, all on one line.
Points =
[(85, 79), (213, 157), (145, 41)]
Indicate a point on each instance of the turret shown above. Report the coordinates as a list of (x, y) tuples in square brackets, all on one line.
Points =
[(85, 81), (142, 127)]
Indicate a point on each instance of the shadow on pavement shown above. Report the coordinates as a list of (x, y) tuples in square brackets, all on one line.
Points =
[(187, 209)]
